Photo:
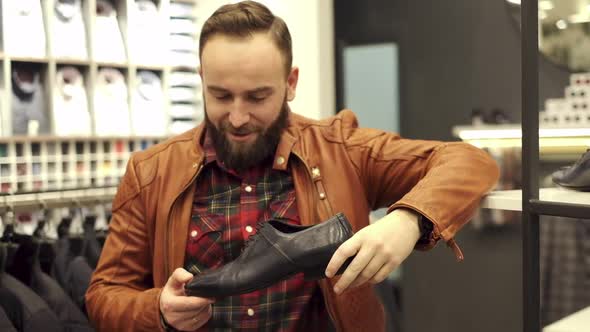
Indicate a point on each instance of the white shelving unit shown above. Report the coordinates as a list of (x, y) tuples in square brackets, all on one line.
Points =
[(57, 163), (37, 162), (512, 199)]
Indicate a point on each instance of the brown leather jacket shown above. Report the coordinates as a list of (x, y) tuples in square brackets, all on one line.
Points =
[(336, 167)]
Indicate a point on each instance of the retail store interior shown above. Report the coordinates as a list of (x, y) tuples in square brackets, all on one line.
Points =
[(86, 83)]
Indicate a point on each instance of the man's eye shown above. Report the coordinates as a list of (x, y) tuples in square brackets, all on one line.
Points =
[(256, 99), (223, 97)]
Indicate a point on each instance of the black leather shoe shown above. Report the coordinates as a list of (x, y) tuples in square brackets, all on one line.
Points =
[(577, 176), (276, 252)]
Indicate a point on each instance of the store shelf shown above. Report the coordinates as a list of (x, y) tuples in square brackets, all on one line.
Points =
[(71, 61), (554, 143), (28, 59), (33, 201), (512, 199)]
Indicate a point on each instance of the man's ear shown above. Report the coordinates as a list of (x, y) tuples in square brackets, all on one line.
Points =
[(292, 83)]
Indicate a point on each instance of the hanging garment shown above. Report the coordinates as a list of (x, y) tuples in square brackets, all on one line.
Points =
[(565, 267), (78, 277), (182, 26), (146, 35), (68, 31), (111, 108), (108, 41), (185, 79), (29, 116), (68, 313), (26, 310), (23, 20), (5, 323), (70, 104), (148, 111), (91, 248)]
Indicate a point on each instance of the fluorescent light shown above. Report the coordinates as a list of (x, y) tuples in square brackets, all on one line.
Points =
[(546, 5), (542, 15), (516, 2), (579, 18), (561, 24)]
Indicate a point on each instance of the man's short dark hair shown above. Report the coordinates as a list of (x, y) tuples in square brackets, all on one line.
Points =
[(245, 18)]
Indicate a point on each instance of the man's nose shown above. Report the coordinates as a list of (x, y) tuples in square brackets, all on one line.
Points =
[(238, 116)]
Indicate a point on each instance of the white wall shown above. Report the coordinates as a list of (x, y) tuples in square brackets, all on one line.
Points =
[(312, 30)]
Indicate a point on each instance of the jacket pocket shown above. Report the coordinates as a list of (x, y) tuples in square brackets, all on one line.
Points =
[(205, 244)]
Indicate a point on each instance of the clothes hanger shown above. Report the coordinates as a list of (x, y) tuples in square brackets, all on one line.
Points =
[(75, 240), (7, 239), (46, 250)]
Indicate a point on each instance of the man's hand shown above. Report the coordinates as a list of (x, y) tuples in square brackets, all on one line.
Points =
[(184, 313), (380, 248)]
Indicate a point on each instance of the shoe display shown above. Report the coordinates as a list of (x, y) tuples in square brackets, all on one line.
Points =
[(276, 252), (577, 176)]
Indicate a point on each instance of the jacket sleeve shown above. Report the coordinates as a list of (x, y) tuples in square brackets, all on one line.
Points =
[(121, 296), (443, 181)]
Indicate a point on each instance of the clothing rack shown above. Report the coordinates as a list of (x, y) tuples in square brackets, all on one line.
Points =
[(34, 201)]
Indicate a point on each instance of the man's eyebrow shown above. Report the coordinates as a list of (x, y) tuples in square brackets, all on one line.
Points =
[(262, 89), (216, 88)]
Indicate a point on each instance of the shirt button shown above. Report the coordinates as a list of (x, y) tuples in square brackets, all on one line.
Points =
[(322, 195), (280, 160), (249, 229), (248, 189), (250, 312), (194, 233)]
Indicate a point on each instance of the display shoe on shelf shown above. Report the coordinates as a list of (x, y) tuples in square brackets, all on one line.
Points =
[(577, 176), (276, 252)]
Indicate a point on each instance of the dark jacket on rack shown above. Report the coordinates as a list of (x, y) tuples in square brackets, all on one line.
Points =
[(5, 323), (26, 310), (355, 171)]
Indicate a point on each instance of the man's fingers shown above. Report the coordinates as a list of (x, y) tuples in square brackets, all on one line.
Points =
[(369, 271), (354, 269), (185, 304), (383, 273), (348, 249), (194, 321)]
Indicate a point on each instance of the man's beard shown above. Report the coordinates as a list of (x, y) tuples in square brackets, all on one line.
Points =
[(241, 156)]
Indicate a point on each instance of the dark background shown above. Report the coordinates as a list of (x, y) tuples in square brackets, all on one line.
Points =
[(455, 55)]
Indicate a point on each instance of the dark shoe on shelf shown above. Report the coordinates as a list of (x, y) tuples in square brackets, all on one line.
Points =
[(577, 176), (276, 252)]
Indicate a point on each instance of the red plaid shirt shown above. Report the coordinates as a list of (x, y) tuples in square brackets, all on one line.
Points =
[(226, 209)]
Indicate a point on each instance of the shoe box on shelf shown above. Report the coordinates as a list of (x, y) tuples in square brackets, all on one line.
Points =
[(574, 109)]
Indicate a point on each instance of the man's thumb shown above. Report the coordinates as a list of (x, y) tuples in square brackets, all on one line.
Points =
[(179, 277)]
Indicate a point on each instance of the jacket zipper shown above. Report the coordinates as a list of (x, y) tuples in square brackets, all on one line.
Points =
[(168, 220), (327, 302)]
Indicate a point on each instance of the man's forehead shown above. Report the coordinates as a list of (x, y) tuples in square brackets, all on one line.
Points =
[(224, 51)]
